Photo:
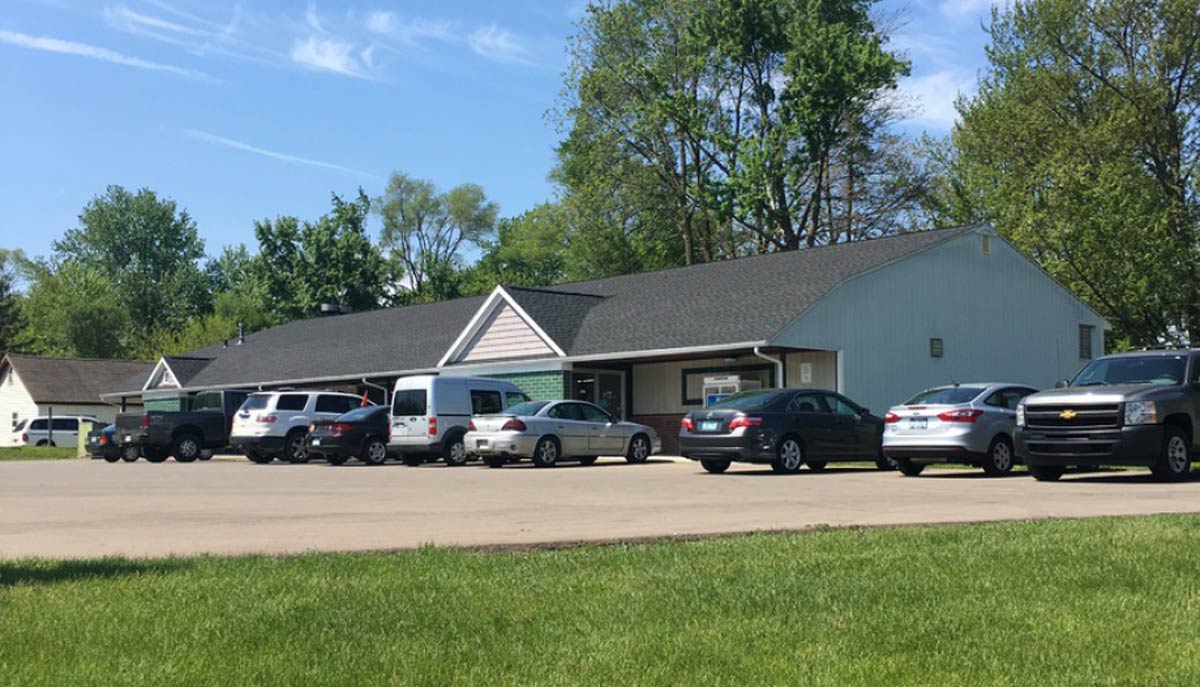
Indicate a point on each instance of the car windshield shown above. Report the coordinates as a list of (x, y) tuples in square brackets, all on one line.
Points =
[(256, 402), (20, 426), (748, 400), (360, 414), (1164, 370), (528, 408), (950, 395)]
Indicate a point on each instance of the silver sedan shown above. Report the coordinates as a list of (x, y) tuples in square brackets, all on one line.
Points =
[(551, 431), (963, 423)]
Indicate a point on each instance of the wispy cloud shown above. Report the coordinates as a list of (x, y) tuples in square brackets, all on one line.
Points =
[(930, 98), (93, 52), (197, 35), (412, 32), (282, 157), (330, 55), (500, 45), (970, 9)]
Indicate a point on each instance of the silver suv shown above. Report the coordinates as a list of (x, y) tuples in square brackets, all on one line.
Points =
[(274, 424)]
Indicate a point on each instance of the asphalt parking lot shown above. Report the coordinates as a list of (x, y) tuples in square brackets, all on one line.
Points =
[(81, 508)]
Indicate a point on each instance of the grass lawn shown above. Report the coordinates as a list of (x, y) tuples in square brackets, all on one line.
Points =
[(1095, 602), (35, 453)]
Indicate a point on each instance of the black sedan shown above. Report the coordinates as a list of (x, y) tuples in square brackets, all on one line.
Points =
[(786, 428), (101, 443), (361, 433)]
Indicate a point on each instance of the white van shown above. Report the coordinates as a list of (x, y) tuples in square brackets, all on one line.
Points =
[(430, 414), (36, 431)]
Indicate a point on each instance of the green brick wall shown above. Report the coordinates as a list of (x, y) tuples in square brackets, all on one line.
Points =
[(164, 404), (540, 386)]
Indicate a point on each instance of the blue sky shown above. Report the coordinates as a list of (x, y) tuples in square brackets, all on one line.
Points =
[(246, 109)]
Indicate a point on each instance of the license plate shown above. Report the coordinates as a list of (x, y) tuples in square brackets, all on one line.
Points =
[(481, 443), (128, 438), (316, 442), (709, 425), (918, 423)]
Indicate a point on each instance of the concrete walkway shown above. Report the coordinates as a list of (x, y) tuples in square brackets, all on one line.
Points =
[(229, 506)]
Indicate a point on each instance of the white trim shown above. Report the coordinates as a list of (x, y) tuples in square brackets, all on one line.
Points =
[(165, 368), (840, 363), (485, 311)]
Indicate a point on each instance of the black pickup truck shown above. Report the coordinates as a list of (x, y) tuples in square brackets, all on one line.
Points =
[(1128, 409), (186, 435)]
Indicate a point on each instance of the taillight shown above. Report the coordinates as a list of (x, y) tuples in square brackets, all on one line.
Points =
[(267, 419), (471, 426), (744, 421), (962, 415), (433, 426), (145, 422), (103, 439), (891, 418), (687, 423), (339, 428), (514, 425), (24, 438)]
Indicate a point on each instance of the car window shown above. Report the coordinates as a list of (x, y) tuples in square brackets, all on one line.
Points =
[(363, 414), (291, 402), (565, 411), (236, 399), (806, 403), (334, 404), (512, 398), (839, 405), (593, 414), (1164, 370), (409, 402), (951, 395), (206, 402), (67, 424), (485, 402), (1007, 398), (749, 400), (527, 408), (256, 402), (20, 426), (38, 424)]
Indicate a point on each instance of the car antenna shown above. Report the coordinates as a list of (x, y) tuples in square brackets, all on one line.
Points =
[(952, 380)]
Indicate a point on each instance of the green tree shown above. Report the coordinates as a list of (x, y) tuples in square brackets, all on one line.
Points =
[(1082, 146), (529, 250), (73, 309), (150, 251), (11, 320)]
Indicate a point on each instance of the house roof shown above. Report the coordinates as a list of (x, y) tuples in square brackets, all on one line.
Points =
[(729, 302), (185, 368), (74, 381)]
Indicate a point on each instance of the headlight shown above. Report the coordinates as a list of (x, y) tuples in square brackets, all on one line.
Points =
[(1021, 414), (1141, 413)]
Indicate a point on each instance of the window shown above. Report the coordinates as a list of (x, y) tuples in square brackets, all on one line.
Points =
[(38, 425), (207, 402), (366, 414), (19, 426), (1085, 341), (936, 348), (693, 380), (987, 245), (66, 424), (565, 411), (1007, 398), (336, 404), (14, 422), (291, 402), (527, 408), (840, 406), (485, 402), (409, 402), (946, 395), (806, 403), (256, 402), (512, 398), (593, 414)]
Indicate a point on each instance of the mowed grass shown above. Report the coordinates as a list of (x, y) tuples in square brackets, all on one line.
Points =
[(1095, 602), (35, 453)]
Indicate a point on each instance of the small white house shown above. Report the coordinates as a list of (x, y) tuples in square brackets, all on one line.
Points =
[(32, 386)]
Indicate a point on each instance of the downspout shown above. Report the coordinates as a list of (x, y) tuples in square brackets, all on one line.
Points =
[(779, 371)]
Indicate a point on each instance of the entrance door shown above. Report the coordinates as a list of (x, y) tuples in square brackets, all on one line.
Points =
[(605, 388)]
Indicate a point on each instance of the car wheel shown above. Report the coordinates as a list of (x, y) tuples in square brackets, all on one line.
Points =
[(885, 463), (154, 455), (43, 442), (295, 450), (817, 465), (1046, 473), (186, 448), (788, 456), (412, 461), (1175, 461), (716, 467), (999, 458), (259, 458), (545, 454), (908, 468), (639, 449), (374, 452), (130, 454), (454, 451), (495, 461), (206, 454), (111, 457), (591, 460)]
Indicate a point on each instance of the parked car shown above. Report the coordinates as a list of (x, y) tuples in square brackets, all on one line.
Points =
[(361, 433), (1129, 409), (275, 424), (187, 435), (41, 431), (962, 423), (430, 414), (786, 428), (551, 431), (101, 444)]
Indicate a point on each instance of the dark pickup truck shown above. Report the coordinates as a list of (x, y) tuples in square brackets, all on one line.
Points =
[(186, 435), (1127, 409)]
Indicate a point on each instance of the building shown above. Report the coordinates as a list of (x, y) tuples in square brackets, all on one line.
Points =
[(31, 386), (877, 320)]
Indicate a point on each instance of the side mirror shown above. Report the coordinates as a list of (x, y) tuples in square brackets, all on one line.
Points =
[(1061, 384)]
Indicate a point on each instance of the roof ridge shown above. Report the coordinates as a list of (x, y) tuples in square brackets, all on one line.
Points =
[(550, 289)]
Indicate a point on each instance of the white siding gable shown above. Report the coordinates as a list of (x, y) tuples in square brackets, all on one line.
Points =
[(161, 377), (503, 335), (14, 399)]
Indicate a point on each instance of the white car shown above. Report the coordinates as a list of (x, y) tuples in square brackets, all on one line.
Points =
[(274, 424), (550, 431), (37, 431), (430, 414)]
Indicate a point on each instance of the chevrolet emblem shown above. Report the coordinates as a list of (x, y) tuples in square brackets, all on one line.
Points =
[(1068, 414)]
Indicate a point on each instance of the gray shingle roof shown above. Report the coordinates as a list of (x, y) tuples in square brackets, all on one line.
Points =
[(73, 380), (185, 368), (729, 302)]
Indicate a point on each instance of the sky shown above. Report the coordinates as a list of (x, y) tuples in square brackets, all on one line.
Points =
[(242, 110)]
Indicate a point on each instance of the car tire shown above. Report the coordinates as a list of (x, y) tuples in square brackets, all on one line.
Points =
[(546, 453), (335, 459), (884, 463), (412, 461), (639, 449), (817, 465), (206, 454), (1046, 473), (295, 448), (155, 455), (111, 457), (1175, 459), (186, 448), (44, 442), (259, 458), (454, 451), (714, 466), (789, 456), (130, 454), (495, 461), (591, 460), (999, 459), (374, 452), (908, 468)]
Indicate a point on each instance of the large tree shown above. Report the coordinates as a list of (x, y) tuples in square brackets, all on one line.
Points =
[(1082, 146), (10, 301), (73, 309)]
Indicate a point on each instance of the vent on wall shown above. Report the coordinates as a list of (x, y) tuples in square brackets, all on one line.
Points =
[(987, 245), (935, 348)]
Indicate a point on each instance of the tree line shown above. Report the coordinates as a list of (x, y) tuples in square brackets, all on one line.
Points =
[(701, 130)]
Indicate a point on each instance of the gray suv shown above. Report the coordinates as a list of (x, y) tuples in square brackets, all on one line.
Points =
[(1128, 409)]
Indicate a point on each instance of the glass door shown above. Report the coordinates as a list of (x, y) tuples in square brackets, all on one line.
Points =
[(605, 388)]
